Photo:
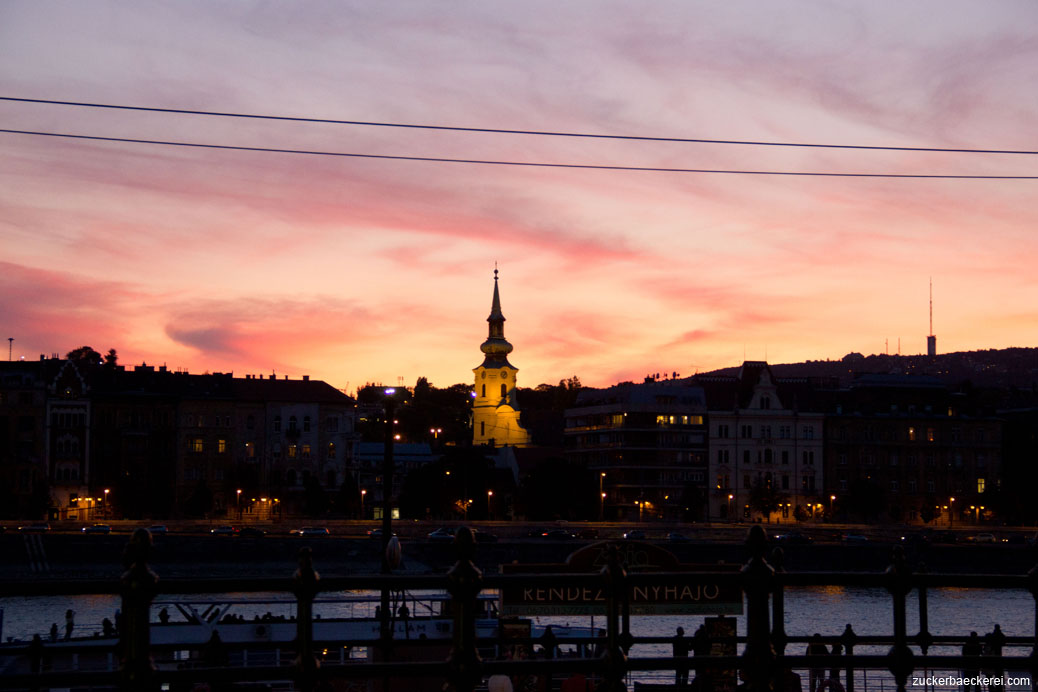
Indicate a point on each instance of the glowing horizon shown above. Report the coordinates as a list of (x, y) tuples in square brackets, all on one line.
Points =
[(355, 271)]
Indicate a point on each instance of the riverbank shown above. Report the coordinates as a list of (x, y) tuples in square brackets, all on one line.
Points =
[(69, 555)]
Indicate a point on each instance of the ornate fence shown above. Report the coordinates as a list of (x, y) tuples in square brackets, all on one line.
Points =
[(763, 662)]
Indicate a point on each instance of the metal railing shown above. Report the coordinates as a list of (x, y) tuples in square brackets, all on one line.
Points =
[(763, 662)]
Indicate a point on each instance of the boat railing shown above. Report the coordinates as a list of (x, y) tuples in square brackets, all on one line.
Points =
[(762, 657)]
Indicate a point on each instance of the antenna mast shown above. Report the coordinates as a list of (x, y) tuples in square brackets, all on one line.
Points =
[(931, 306)]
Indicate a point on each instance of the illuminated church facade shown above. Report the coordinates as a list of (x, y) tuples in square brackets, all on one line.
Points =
[(495, 411)]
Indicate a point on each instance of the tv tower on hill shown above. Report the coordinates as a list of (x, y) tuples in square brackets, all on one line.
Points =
[(931, 340)]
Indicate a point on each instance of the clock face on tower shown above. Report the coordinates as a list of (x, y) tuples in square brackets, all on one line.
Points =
[(504, 374)]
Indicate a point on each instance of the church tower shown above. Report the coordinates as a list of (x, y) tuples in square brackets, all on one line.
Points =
[(495, 412)]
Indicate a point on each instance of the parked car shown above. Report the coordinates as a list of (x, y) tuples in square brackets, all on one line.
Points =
[(557, 535), (223, 531), (588, 532), (675, 537), (855, 538), (483, 536), (794, 538), (440, 535), (376, 533), (251, 532), (38, 527), (634, 535), (984, 538), (314, 531), (158, 530), (97, 528)]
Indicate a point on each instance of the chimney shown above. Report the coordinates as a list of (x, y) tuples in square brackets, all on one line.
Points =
[(306, 378)]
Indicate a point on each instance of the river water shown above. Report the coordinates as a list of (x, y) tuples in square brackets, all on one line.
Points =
[(825, 610)]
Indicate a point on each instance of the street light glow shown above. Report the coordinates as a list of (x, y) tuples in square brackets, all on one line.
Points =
[(390, 391)]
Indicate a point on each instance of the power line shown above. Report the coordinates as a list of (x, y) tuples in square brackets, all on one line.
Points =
[(539, 133), (531, 164)]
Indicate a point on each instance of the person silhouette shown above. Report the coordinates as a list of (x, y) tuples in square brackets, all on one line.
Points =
[(816, 647), (680, 646)]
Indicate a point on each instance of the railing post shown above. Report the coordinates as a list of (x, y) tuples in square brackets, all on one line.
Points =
[(758, 581), (778, 606), (924, 639), (306, 587), (464, 582), (138, 587), (899, 583), (1032, 579), (36, 659), (616, 588), (848, 638)]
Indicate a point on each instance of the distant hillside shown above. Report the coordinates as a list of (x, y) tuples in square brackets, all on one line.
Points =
[(1002, 368)]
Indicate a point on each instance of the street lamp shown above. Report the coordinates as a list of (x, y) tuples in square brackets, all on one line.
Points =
[(362, 494), (731, 517), (436, 432), (951, 512), (104, 506), (239, 504), (832, 499), (490, 494), (601, 505)]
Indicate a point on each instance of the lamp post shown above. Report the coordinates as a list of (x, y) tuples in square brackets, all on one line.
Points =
[(832, 500), (951, 512), (362, 494), (490, 494), (104, 506), (601, 494), (731, 511), (239, 504), (385, 629)]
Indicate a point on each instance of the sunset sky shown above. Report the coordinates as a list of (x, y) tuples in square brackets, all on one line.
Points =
[(354, 270)]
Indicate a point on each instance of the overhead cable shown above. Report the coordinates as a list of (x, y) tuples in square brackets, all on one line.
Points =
[(539, 133), (534, 164)]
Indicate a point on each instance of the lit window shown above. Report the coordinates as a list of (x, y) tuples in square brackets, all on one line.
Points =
[(911, 434), (331, 450), (930, 435), (292, 451), (221, 446), (980, 485), (196, 445), (250, 450), (306, 451)]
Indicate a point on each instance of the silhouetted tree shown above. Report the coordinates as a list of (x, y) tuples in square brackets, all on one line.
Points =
[(315, 501), (111, 358), (200, 502), (765, 499), (693, 502), (557, 489), (347, 501), (84, 354), (866, 499)]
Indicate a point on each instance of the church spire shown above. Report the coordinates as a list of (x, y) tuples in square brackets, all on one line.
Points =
[(496, 347)]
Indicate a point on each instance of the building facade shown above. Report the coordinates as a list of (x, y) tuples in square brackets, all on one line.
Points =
[(85, 441), (646, 445), (762, 432), (906, 448)]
